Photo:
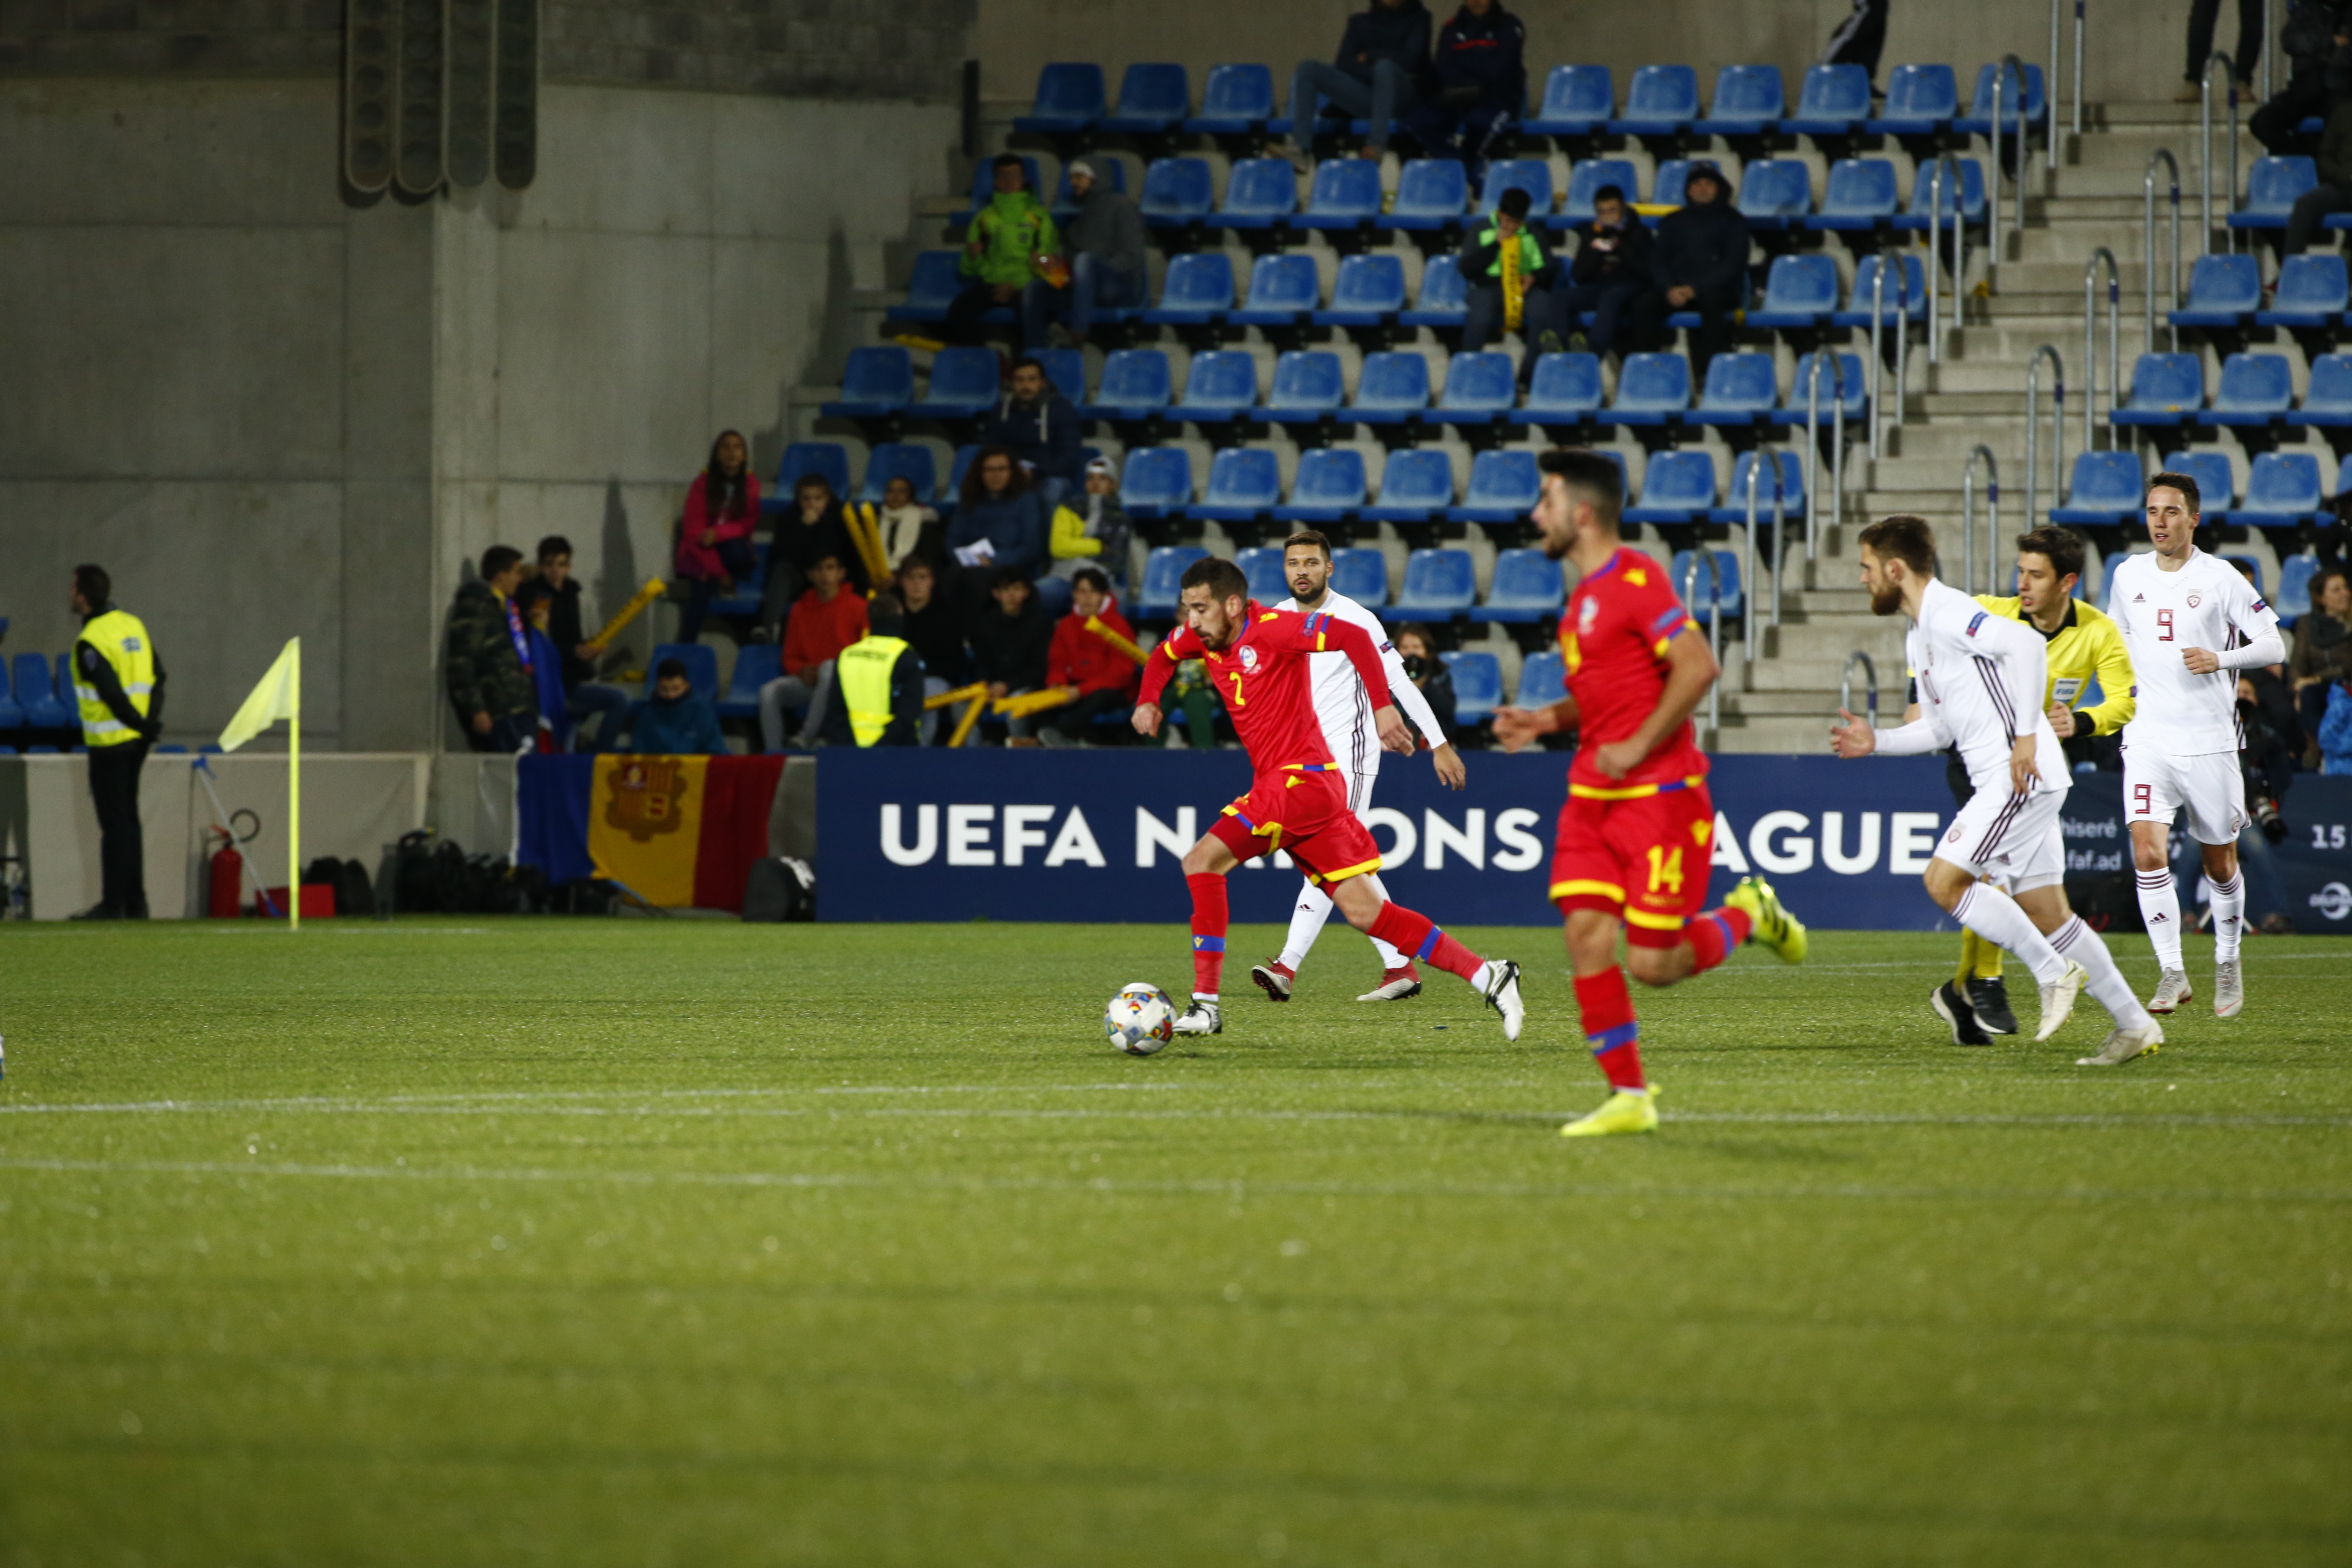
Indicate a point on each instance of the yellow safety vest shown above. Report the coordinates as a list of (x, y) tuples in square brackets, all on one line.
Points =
[(863, 674), (122, 640)]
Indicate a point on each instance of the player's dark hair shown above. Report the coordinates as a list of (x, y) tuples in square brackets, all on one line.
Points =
[(1904, 538), (1220, 577), (498, 558), (94, 585), (1092, 577), (671, 669), (553, 545), (2184, 484), (2062, 546), (1592, 477), (1313, 538)]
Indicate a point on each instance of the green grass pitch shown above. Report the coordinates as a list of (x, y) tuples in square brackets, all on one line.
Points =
[(563, 1242)]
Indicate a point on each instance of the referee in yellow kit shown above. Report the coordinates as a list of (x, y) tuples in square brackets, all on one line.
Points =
[(119, 686)]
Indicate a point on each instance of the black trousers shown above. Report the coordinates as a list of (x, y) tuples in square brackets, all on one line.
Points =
[(122, 848), (1711, 337), (1862, 37), (963, 326), (2203, 14), (2276, 123)]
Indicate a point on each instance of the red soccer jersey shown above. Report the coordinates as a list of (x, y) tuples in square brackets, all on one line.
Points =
[(1265, 682), (1612, 638)]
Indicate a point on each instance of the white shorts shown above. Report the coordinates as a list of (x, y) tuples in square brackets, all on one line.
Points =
[(2013, 838), (2209, 787)]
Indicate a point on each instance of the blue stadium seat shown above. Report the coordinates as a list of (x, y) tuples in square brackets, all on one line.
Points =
[(1263, 568), (1361, 574), (1678, 486), (1701, 590), (1748, 101), (2251, 566), (1444, 296), (1741, 390), (958, 466), (1308, 389), (983, 185), (1832, 100), (1776, 192), (1906, 297), (36, 695), (1439, 584), (1532, 175), (1416, 486), (1069, 99), (908, 460), (1176, 191), (1503, 488), (964, 385), (1921, 101), (1236, 100), (2166, 389), (2216, 485), (1345, 195), (1860, 195), (1588, 176), (1244, 484), (1328, 487), (1923, 189), (1136, 384), (1543, 680), (1066, 370), (2107, 488), (1661, 100), (2223, 290), (1565, 390), (1259, 194), (1848, 375), (1527, 588), (2272, 187), (2282, 491), (2327, 400), (1431, 193), (2312, 292), (701, 668), (1576, 101), (1110, 171), (1198, 289), (1164, 573), (1477, 685), (1735, 495), (1479, 390), (1283, 290), (1222, 386), (43, 750), (12, 717), (931, 288), (875, 384), (1153, 100), (756, 664), (1157, 482), (1978, 121), (1670, 185), (1368, 291), (1393, 388), (1652, 389), (801, 459), (1799, 290), (2256, 390), (2296, 575)]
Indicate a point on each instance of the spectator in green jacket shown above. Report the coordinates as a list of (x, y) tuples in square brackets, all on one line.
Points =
[(1000, 250), (485, 658)]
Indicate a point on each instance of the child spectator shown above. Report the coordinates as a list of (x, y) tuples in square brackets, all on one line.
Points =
[(583, 694), (1611, 269), (907, 527), (1000, 251), (930, 626), (714, 541), (1098, 676), (1543, 326), (1093, 530), (1010, 643), (538, 601), (814, 528), (826, 620), (675, 722)]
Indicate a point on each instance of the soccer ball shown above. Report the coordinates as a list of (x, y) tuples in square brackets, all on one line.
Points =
[(1140, 1019)]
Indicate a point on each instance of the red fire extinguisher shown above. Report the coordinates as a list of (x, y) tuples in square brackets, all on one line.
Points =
[(226, 900)]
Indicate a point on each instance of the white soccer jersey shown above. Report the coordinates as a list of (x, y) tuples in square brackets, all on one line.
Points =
[(1981, 677), (2205, 603), (1342, 704)]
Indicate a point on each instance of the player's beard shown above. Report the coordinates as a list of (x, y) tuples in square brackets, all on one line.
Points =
[(1886, 601)]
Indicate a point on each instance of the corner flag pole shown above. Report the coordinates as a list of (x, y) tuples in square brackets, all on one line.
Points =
[(294, 791)]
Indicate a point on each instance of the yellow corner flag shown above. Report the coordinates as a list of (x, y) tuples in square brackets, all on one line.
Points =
[(280, 695)]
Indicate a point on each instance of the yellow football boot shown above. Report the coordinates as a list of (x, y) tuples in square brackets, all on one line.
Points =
[(1621, 1113), (1768, 923)]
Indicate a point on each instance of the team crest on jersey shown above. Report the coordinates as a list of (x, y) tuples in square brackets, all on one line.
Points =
[(2195, 600), (1249, 656), (2260, 606), (1586, 614), (1977, 621)]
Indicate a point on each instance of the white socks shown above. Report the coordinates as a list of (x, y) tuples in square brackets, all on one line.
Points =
[(2078, 943), (2159, 908), (2229, 907), (1307, 924), (1994, 916)]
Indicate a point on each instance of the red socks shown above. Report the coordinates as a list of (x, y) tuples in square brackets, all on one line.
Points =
[(1417, 936), (1610, 1029), (1715, 936), (1208, 933)]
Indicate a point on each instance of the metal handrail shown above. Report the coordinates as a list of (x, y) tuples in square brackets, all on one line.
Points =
[(1877, 307), (2050, 93), (2057, 432), (2000, 252), (2205, 139), (1845, 683), (1765, 457), (2078, 66), (2148, 219), (1714, 621), (1968, 516), (2090, 344), (1959, 253), (1813, 443)]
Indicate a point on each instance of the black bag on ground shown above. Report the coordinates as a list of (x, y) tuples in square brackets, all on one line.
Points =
[(354, 891), (780, 888)]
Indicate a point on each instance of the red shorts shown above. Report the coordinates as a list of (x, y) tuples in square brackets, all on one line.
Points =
[(1644, 858), (1302, 809)]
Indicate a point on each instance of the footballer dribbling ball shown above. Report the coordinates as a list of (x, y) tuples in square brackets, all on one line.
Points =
[(1140, 1019)]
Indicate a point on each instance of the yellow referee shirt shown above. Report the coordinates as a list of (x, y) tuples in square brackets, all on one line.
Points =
[(2087, 646)]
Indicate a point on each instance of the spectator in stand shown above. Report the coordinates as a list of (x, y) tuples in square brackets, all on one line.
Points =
[(1427, 671), (714, 540), (1098, 677), (932, 629), (2323, 649), (813, 530), (1542, 326), (1610, 271), (1105, 248), (907, 527), (675, 722), (1040, 427), (1859, 39), (2317, 43), (583, 694), (2202, 14), (2332, 160), (828, 618), (878, 684), (1699, 263), (538, 601), (485, 655), (1382, 68), (1009, 642), (1094, 530), (1479, 77), (998, 527), (1000, 251)]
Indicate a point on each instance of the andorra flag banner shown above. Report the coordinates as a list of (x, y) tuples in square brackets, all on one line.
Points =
[(679, 831)]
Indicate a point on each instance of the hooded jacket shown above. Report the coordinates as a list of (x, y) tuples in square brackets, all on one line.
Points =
[(1703, 245), (687, 727), (1485, 55), (1625, 258), (1080, 658), (1012, 231), (1400, 34), (1044, 434)]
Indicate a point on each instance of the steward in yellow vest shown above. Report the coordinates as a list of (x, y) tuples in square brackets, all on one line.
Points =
[(119, 688), (878, 684)]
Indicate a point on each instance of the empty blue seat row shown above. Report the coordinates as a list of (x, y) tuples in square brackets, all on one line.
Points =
[(2283, 488), (2225, 290), (2256, 390), (42, 694)]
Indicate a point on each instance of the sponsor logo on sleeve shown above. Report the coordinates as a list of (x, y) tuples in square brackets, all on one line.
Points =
[(1977, 620)]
